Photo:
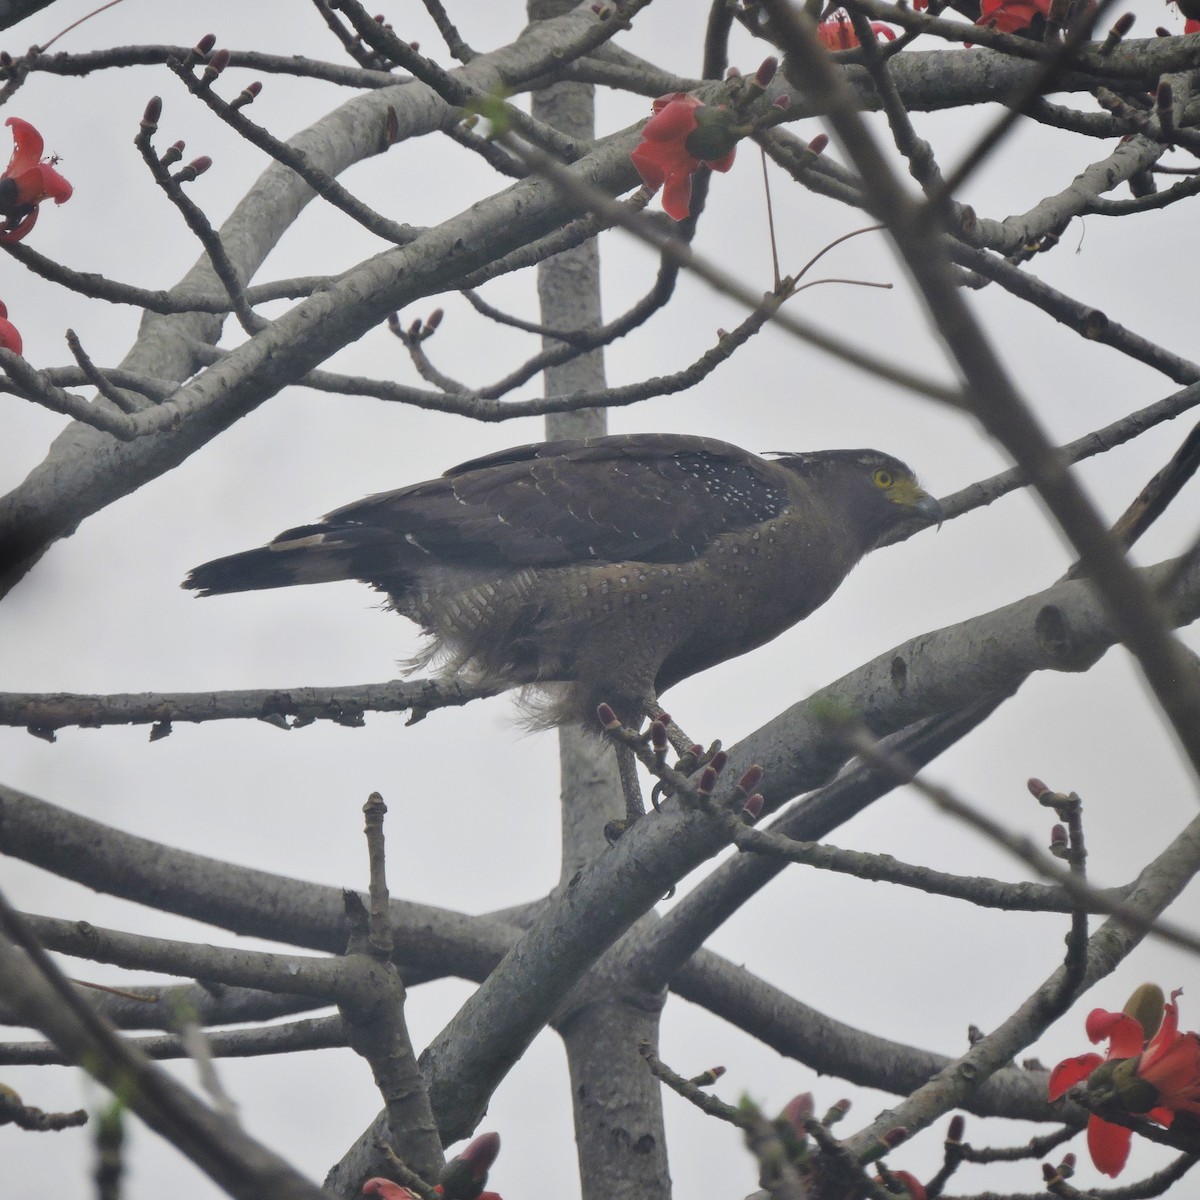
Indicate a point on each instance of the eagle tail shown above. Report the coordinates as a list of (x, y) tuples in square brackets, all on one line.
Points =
[(308, 554)]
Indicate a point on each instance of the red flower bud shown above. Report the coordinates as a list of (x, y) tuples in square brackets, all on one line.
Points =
[(205, 44), (153, 112), (607, 718), (463, 1177), (752, 809), (902, 1183)]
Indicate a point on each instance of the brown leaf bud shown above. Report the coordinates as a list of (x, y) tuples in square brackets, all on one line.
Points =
[(152, 114), (818, 144), (752, 809), (216, 65), (1037, 789), (247, 95), (751, 779), (895, 1137), (766, 71), (434, 319), (204, 46), (798, 1110), (607, 718), (708, 781), (1120, 28), (718, 761), (174, 153), (957, 1127), (196, 167)]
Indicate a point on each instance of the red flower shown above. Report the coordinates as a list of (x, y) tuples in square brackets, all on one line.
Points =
[(10, 338), (1170, 1064), (1010, 15), (838, 34), (1191, 25), (1155, 1077), (683, 133), (26, 182), (386, 1189)]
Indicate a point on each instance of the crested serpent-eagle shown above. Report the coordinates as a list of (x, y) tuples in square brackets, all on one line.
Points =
[(602, 570)]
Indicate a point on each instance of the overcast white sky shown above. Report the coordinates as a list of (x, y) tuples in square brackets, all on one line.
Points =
[(103, 610)]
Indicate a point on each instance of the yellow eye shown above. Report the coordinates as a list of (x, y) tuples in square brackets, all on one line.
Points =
[(883, 478)]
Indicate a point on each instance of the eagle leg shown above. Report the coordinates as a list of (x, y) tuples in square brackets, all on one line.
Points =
[(635, 807)]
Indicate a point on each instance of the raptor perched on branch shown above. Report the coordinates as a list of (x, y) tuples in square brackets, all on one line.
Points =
[(602, 570)]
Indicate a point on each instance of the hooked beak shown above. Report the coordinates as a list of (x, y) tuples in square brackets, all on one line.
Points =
[(929, 508)]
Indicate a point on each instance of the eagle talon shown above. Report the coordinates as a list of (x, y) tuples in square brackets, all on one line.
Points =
[(613, 831), (659, 790)]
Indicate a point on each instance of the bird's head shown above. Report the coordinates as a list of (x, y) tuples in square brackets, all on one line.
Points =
[(877, 496)]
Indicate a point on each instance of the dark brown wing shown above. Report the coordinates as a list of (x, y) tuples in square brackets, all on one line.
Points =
[(644, 497)]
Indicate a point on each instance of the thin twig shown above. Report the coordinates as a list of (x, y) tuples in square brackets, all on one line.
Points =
[(320, 181)]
